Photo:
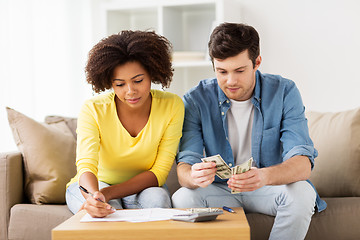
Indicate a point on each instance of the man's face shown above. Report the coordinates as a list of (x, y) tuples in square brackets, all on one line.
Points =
[(236, 75)]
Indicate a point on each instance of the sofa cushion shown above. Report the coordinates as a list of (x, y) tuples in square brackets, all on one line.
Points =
[(30, 221), (49, 156), (172, 181), (336, 136), (340, 220)]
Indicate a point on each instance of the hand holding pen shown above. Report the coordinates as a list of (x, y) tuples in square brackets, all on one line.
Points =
[(93, 208)]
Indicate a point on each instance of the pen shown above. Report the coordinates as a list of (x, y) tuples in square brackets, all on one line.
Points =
[(228, 209), (92, 195)]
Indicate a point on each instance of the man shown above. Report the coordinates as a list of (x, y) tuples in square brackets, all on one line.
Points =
[(242, 114)]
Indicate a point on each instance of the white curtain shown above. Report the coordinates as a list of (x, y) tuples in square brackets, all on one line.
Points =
[(43, 50)]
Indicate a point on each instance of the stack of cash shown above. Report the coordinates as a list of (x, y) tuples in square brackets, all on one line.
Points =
[(224, 171), (200, 210)]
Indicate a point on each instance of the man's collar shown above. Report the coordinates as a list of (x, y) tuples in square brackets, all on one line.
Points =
[(257, 90), (222, 97)]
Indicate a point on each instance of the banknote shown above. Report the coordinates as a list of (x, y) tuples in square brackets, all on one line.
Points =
[(244, 167), (223, 170), (199, 210)]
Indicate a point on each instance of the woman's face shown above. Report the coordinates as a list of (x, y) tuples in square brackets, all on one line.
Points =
[(132, 84)]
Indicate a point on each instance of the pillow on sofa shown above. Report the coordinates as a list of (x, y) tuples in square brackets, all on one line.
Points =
[(49, 156), (70, 122), (336, 136)]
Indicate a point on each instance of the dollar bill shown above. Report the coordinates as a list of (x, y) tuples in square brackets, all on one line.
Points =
[(200, 210), (238, 169), (223, 170)]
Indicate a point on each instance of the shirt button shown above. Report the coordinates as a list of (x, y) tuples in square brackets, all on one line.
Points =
[(222, 113), (227, 101), (230, 164)]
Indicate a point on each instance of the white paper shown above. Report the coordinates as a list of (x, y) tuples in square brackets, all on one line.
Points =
[(136, 215)]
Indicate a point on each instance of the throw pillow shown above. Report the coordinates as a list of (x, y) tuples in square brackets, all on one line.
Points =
[(70, 122), (49, 156), (336, 136)]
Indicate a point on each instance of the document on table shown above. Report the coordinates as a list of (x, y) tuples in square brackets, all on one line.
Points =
[(136, 215)]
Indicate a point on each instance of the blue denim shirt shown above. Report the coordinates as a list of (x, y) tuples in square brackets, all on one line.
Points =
[(280, 129)]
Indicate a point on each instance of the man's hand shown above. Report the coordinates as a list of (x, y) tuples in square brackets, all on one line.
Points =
[(95, 207), (203, 174), (248, 181)]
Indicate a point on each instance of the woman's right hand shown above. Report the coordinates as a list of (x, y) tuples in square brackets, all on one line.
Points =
[(97, 208)]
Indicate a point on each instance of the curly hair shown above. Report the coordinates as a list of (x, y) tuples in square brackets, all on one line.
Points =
[(152, 51), (230, 39)]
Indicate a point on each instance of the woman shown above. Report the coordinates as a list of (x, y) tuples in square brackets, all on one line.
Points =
[(127, 138)]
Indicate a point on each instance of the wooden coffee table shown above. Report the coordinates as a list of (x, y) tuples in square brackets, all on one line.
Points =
[(226, 226)]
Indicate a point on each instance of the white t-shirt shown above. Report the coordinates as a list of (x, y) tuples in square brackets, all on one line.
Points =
[(240, 120)]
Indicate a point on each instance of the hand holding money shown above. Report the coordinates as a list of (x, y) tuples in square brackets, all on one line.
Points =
[(203, 174), (244, 167), (224, 171)]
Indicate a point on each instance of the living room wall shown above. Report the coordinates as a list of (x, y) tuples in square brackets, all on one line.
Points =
[(43, 49), (314, 43), (44, 46)]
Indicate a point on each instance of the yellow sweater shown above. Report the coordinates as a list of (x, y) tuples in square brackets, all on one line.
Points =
[(105, 148)]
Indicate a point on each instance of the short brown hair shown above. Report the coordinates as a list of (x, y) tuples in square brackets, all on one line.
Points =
[(230, 39), (151, 50)]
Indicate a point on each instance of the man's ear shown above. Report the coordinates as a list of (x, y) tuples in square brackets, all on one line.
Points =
[(257, 62)]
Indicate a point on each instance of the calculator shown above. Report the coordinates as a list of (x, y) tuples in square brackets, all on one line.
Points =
[(197, 216)]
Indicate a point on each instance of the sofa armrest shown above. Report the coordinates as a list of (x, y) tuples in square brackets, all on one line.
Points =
[(11, 187)]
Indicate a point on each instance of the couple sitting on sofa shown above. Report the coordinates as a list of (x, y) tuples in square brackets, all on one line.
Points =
[(127, 139)]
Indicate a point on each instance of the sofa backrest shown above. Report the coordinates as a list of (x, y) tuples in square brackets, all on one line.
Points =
[(336, 136)]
